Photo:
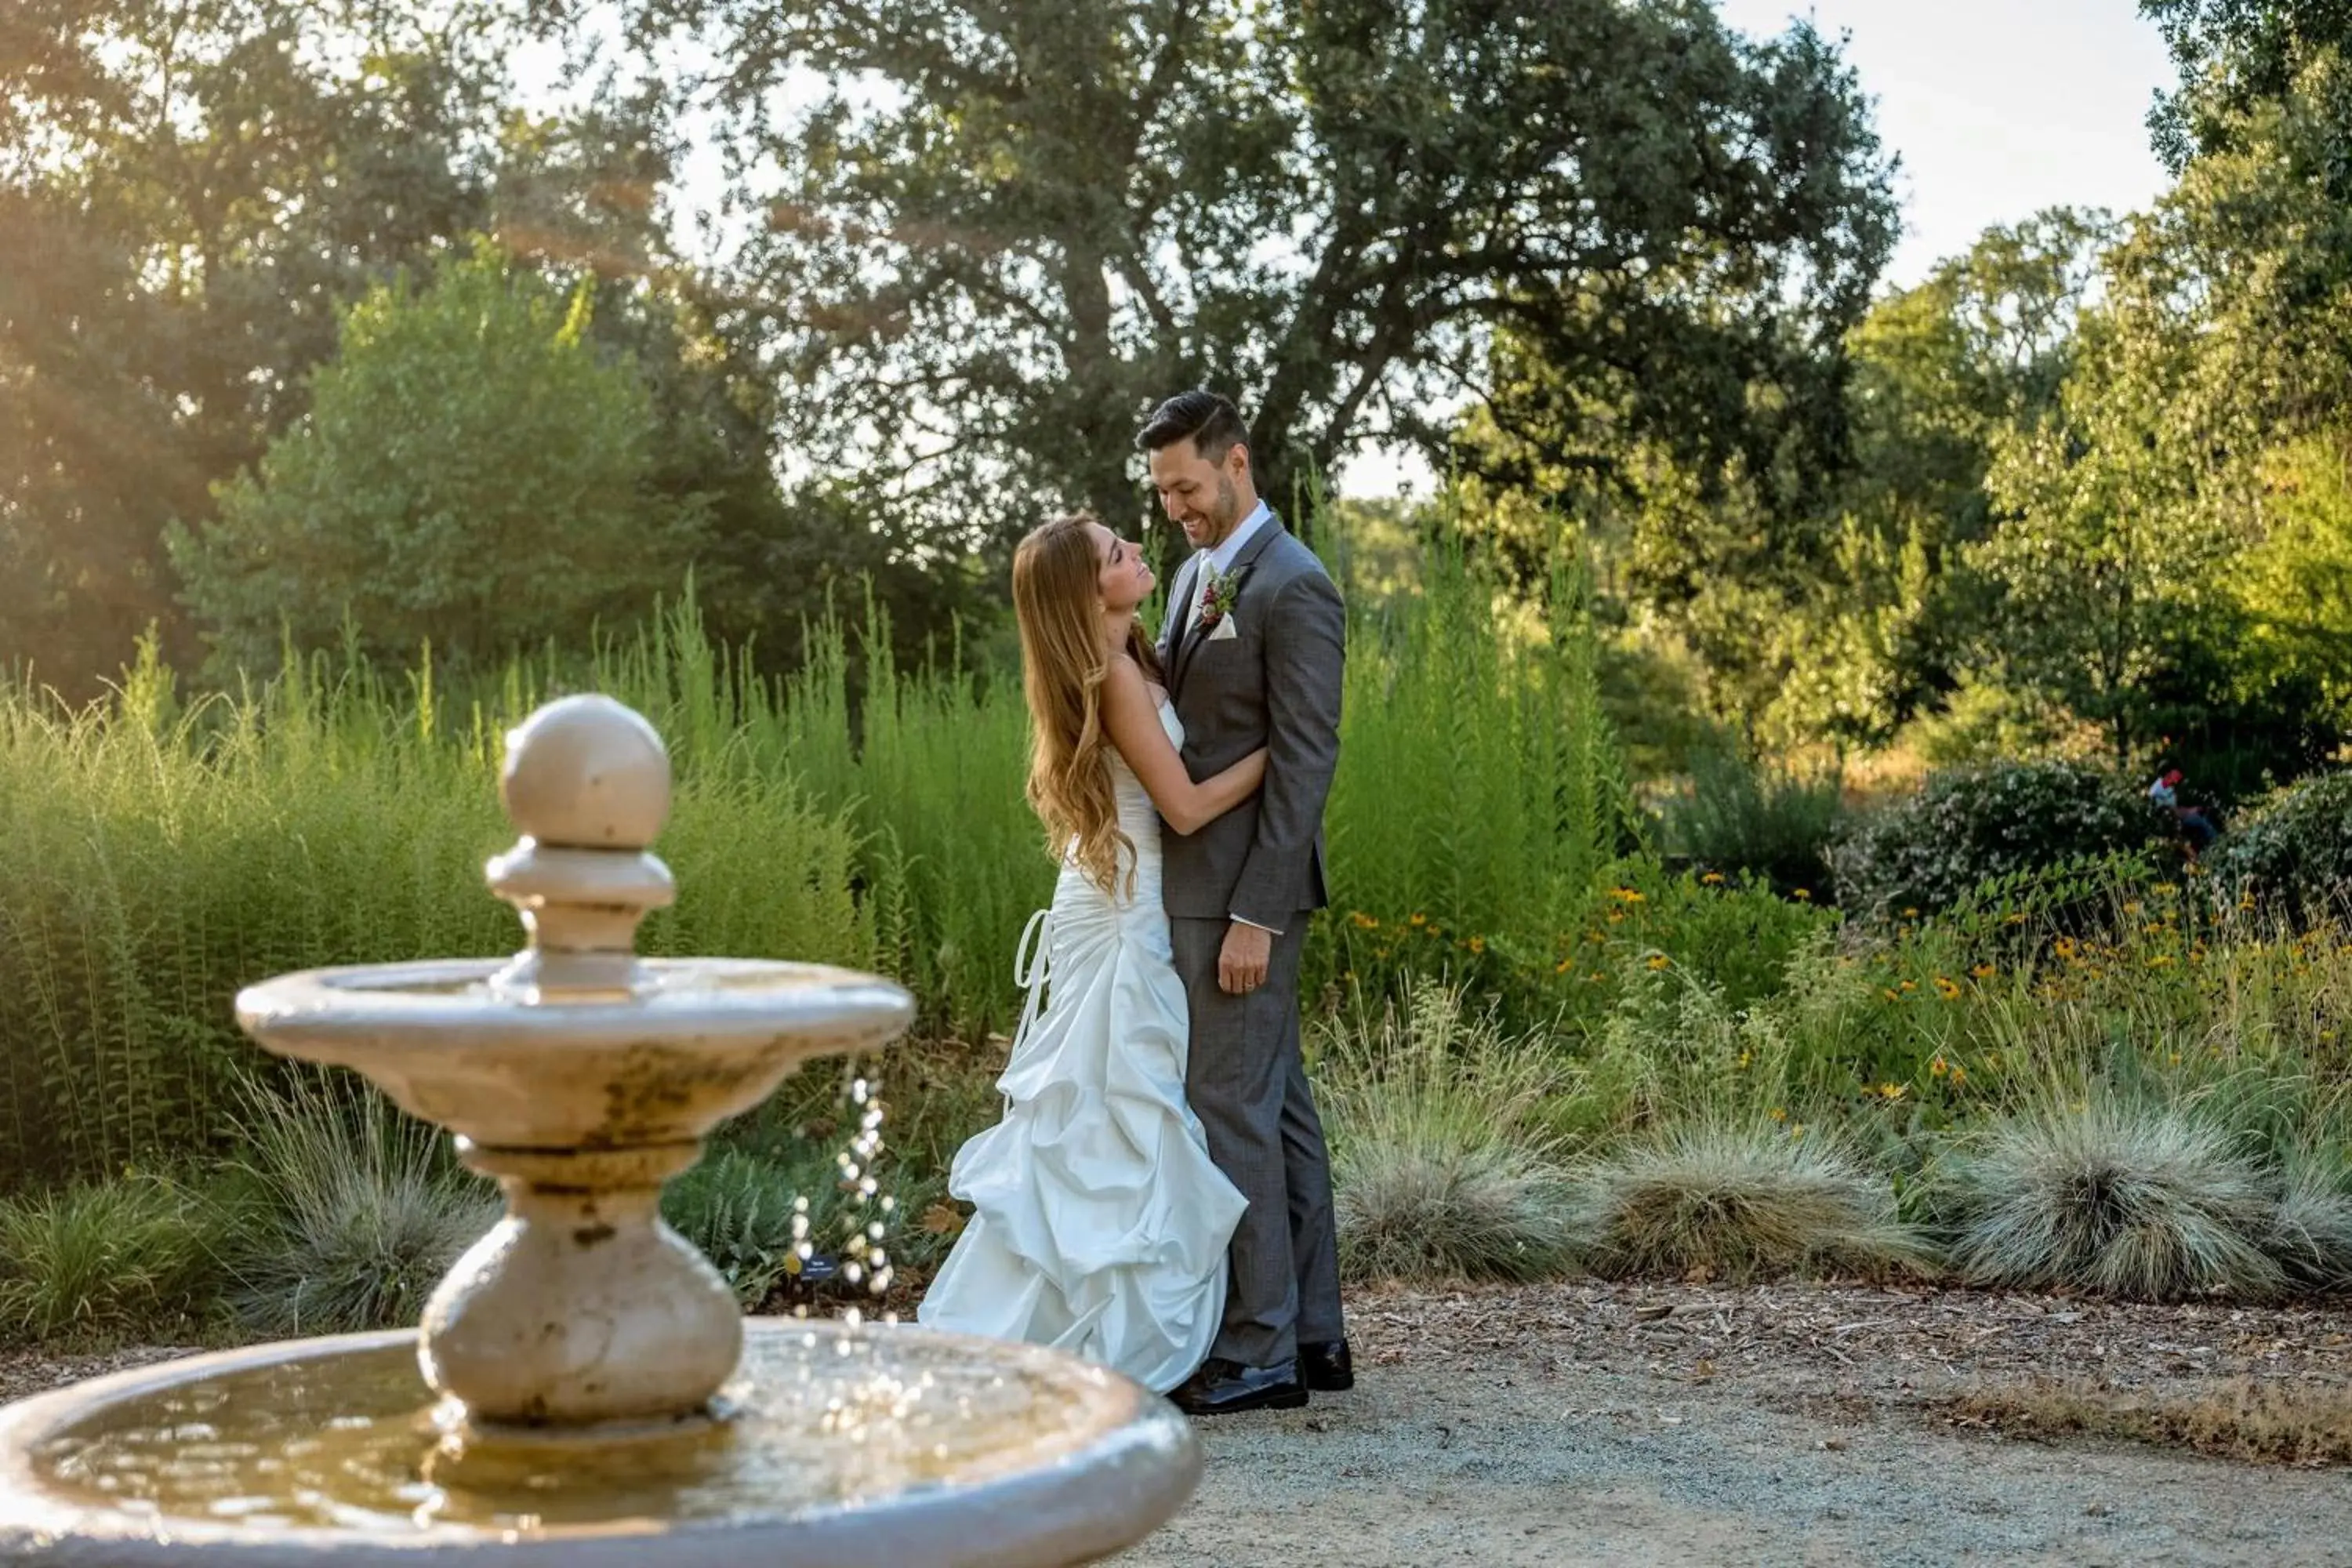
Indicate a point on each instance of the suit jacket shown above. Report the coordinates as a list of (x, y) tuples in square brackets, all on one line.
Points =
[(1273, 681)]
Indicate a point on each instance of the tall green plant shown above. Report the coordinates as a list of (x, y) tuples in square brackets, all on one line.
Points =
[(1479, 785)]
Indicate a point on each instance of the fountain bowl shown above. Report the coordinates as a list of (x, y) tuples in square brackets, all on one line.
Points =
[(687, 1044)]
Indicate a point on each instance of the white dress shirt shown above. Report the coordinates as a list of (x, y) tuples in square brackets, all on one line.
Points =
[(1221, 559)]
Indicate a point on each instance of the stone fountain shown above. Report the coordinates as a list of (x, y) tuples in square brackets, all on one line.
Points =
[(583, 1390)]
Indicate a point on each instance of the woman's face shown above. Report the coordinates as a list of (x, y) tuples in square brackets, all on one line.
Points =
[(1124, 578)]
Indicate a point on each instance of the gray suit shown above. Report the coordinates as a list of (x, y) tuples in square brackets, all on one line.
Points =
[(1275, 682)]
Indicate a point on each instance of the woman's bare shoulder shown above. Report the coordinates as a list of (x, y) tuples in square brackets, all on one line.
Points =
[(1125, 680)]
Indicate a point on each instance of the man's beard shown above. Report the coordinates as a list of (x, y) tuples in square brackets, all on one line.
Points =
[(1229, 508)]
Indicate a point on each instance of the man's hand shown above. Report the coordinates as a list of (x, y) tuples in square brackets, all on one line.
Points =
[(1241, 963)]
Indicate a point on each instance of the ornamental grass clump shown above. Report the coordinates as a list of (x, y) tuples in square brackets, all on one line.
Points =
[(1739, 1201), (358, 1210), (105, 1261), (2311, 1234), (2151, 1203), (1441, 1168)]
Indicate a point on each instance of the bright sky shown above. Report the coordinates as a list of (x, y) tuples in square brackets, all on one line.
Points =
[(1997, 108)]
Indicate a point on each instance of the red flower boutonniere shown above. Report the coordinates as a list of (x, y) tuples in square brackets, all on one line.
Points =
[(1217, 595)]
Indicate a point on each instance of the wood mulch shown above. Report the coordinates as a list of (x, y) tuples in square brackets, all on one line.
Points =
[(1855, 1337)]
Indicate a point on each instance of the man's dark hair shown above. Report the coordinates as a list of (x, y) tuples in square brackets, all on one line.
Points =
[(1212, 422)]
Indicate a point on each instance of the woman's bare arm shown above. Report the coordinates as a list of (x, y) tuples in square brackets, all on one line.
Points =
[(1133, 719)]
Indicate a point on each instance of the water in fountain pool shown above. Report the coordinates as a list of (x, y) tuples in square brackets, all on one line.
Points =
[(822, 1416)]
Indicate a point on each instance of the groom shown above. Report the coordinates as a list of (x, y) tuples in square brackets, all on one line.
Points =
[(1254, 649)]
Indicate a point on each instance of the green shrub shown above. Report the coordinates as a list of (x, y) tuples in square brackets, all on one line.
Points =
[(114, 1260), (352, 1211), (535, 514), (1740, 1201), (2289, 855), (750, 1216), (2148, 1203), (1440, 1168), (1971, 825), (1739, 816)]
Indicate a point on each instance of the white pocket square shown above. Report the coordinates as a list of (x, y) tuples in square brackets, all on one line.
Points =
[(1225, 628)]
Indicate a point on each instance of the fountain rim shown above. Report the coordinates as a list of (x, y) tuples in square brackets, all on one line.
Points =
[(1061, 1498), (446, 1002)]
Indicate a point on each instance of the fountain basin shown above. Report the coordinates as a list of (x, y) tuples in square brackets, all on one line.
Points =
[(690, 1043), (881, 1445)]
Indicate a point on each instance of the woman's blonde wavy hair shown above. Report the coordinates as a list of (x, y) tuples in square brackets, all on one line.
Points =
[(1057, 600)]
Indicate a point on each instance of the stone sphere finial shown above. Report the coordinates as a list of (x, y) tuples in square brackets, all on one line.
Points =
[(587, 783), (586, 772)]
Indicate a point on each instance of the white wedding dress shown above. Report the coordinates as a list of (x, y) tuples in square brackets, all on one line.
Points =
[(1099, 1223)]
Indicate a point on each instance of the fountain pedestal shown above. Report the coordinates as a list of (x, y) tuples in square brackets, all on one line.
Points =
[(588, 1395)]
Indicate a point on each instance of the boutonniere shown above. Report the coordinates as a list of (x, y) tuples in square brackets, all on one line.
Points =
[(1217, 595)]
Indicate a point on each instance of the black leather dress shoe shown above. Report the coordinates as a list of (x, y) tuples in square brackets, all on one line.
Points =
[(1227, 1388), (1327, 1368)]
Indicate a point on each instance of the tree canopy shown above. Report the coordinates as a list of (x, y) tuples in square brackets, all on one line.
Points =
[(995, 235)]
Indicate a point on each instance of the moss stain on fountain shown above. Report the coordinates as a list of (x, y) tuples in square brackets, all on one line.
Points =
[(654, 1085)]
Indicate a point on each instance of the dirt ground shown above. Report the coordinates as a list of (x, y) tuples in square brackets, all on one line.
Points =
[(1664, 1424), (1673, 1424)]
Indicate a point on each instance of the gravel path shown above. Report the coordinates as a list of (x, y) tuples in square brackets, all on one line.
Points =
[(1667, 1425)]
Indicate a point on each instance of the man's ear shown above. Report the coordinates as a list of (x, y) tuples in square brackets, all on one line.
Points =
[(1237, 460)]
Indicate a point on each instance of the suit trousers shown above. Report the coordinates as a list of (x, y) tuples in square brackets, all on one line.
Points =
[(1247, 1083)]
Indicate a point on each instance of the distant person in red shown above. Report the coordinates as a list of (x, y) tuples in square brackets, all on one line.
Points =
[(2165, 793)]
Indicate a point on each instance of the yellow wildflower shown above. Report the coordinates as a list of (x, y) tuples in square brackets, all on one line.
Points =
[(1659, 960), (1476, 944), (1946, 989), (1803, 895), (1938, 1067), (1983, 972), (1627, 896), (1892, 1091), (1959, 1074), (1777, 1114), (1418, 920), (1364, 922)]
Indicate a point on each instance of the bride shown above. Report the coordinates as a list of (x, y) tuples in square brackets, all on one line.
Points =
[(1099, 1223)]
